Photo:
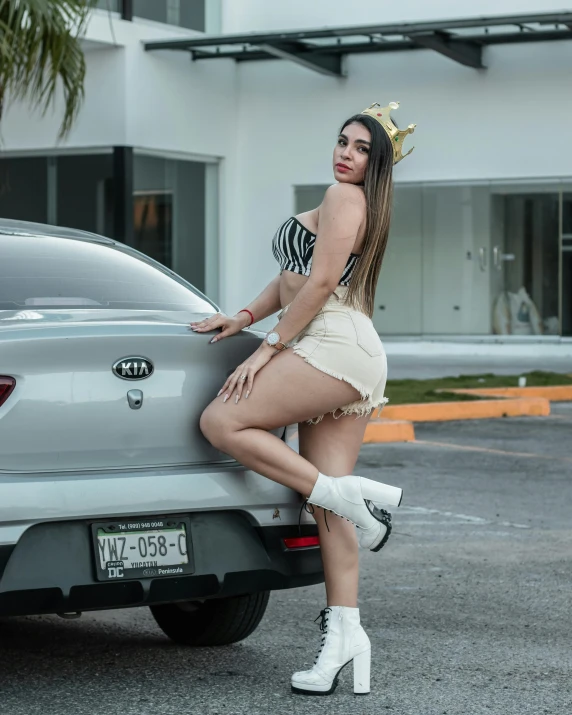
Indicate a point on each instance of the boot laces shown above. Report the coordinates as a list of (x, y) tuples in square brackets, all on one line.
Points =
[(309, 508), (323, 617)]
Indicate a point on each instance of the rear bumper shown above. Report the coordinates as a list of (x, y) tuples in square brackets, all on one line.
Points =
[(51, 569), (27, 499)]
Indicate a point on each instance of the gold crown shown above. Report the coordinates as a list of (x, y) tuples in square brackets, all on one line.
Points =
[(383, 116)]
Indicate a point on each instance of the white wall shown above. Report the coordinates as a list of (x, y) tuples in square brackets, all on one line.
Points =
[(101, 121), (261, 15), (158, 100)]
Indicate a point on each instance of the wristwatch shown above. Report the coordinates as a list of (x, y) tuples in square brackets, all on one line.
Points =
[(273, 339)]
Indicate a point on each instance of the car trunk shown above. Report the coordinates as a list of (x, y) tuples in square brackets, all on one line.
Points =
[(70, 412)]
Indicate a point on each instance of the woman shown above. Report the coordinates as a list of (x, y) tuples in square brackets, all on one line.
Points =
[(327, 352)]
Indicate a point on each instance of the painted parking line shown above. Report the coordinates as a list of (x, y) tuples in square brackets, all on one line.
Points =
[(488, 450), (463, 518)]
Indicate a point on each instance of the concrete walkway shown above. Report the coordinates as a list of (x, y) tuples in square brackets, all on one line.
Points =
[(425, 359)]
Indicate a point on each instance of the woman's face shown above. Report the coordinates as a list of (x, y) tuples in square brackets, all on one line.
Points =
[(351, 153)]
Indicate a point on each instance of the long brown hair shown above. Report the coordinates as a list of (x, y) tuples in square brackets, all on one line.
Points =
[(378, 190)]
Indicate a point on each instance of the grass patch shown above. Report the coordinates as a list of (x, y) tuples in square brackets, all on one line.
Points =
[(401, 392)]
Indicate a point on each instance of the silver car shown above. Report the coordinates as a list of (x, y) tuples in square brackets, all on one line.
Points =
[(110, 497)]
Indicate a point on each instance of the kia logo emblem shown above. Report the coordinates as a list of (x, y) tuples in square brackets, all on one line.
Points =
[(133, 368)]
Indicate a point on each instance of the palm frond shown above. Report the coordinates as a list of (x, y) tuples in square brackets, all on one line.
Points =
[(40, 47)]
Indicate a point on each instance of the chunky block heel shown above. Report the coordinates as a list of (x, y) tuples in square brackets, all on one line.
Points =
[(384, 518), (380, 493), (352, 497), (343, 641), (362, 667)]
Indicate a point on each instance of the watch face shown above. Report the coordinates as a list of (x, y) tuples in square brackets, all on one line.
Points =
[(272, 338)]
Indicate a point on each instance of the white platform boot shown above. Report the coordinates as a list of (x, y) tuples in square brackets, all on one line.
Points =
[(356, 499), (343, 641)]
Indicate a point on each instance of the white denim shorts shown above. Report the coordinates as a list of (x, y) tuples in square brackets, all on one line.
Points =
[(343, 343)]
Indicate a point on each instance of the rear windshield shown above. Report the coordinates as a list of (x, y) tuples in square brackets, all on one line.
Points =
[(53, 272)]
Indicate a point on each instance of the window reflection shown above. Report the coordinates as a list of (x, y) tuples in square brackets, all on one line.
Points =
[(153, 225), (169, 214), (525, 264)]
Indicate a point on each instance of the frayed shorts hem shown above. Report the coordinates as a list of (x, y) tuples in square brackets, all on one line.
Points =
[(364, 406)]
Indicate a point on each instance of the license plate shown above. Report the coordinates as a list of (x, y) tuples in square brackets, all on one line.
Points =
[(153, 547)]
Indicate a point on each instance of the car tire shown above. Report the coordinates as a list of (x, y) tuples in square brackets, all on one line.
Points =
[(217, 621)]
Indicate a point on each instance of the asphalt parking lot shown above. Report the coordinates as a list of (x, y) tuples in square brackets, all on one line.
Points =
[(468, 606)]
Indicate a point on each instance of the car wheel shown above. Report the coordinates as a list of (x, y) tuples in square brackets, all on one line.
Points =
[(217, 621)]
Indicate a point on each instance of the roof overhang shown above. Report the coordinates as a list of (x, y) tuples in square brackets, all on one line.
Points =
[(322, 49)]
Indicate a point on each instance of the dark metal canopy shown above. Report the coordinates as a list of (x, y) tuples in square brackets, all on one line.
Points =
[(322, 50)]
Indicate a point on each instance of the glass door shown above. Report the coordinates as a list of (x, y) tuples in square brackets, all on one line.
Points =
[(566, 263), (525, 263), (398, 307), (474, 259)]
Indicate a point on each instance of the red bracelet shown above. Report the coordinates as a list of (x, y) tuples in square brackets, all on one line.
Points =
[(245, 310)]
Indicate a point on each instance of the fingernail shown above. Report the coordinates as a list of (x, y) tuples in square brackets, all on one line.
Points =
[(218, 393), (247, 394), (236, 401), (213, 340), (225, 398)]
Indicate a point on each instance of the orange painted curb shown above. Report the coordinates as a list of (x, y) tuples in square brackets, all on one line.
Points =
[(383, 430), (473, 410), (554, 393)]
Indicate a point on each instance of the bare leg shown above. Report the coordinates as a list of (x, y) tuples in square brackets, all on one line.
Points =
[(333, 446), (286, 391)]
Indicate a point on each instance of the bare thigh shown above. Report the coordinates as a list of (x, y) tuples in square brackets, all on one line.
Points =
[(287, 390), (333, 445)]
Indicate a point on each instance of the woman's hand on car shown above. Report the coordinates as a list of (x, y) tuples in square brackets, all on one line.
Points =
[(228, 326), (242, 379)]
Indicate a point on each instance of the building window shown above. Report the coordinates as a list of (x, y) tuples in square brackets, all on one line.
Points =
[(153, 224), (24, 188), (174, 204), (184, 13), (84, 192), (110, 5), (169, 214)]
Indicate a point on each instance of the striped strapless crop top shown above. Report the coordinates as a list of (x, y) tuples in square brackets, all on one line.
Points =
[(293, 248)]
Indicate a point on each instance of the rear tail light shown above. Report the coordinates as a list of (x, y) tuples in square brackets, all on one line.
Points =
[(302, 542), (7, 384)]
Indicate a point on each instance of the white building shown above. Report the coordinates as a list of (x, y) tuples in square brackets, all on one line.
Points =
[(196, 162)]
